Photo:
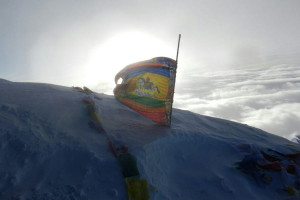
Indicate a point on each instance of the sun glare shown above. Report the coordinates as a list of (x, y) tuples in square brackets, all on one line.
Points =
[(109, 58)]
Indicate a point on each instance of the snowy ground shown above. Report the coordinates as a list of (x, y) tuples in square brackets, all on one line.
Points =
[(48, 150)]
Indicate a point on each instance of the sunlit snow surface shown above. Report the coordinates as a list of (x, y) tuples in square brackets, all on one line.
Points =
[(48, 151)]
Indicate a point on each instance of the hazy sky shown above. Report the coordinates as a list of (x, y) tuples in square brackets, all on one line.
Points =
[(239, 60)]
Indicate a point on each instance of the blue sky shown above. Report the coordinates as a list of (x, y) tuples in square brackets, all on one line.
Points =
[(238, 59)]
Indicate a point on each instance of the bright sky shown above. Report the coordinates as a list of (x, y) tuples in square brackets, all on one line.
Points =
[(238, 59)]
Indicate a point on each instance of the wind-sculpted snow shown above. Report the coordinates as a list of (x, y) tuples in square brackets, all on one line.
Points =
[(48, 150), (38, 161)]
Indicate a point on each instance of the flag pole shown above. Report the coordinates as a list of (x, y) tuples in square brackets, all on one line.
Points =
[(178, 49), (175, 77)]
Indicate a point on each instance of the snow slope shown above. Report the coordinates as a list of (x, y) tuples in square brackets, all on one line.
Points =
[(48, 150)]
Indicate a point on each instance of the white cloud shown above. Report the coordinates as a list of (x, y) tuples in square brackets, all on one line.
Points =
[(283, 119), (256, 97)]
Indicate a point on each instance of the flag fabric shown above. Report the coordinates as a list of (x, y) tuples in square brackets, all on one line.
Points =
[(148, 88)]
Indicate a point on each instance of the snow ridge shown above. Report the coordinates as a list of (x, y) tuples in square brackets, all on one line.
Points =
[(48, 151)]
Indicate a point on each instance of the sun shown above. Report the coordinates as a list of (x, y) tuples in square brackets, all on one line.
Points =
[(107, 59)]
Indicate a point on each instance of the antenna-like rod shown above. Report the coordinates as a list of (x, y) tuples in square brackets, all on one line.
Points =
[(175, 71), (178, 48)]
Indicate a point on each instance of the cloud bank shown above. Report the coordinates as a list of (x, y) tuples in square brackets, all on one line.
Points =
[(266, 97)]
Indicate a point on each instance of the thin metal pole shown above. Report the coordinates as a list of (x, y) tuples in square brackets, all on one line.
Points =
[(178, 48), (175, 79)]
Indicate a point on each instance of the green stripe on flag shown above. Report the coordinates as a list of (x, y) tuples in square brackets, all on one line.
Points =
[(148, 101)]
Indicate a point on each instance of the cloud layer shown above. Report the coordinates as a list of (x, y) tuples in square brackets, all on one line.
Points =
[(264, 96)]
